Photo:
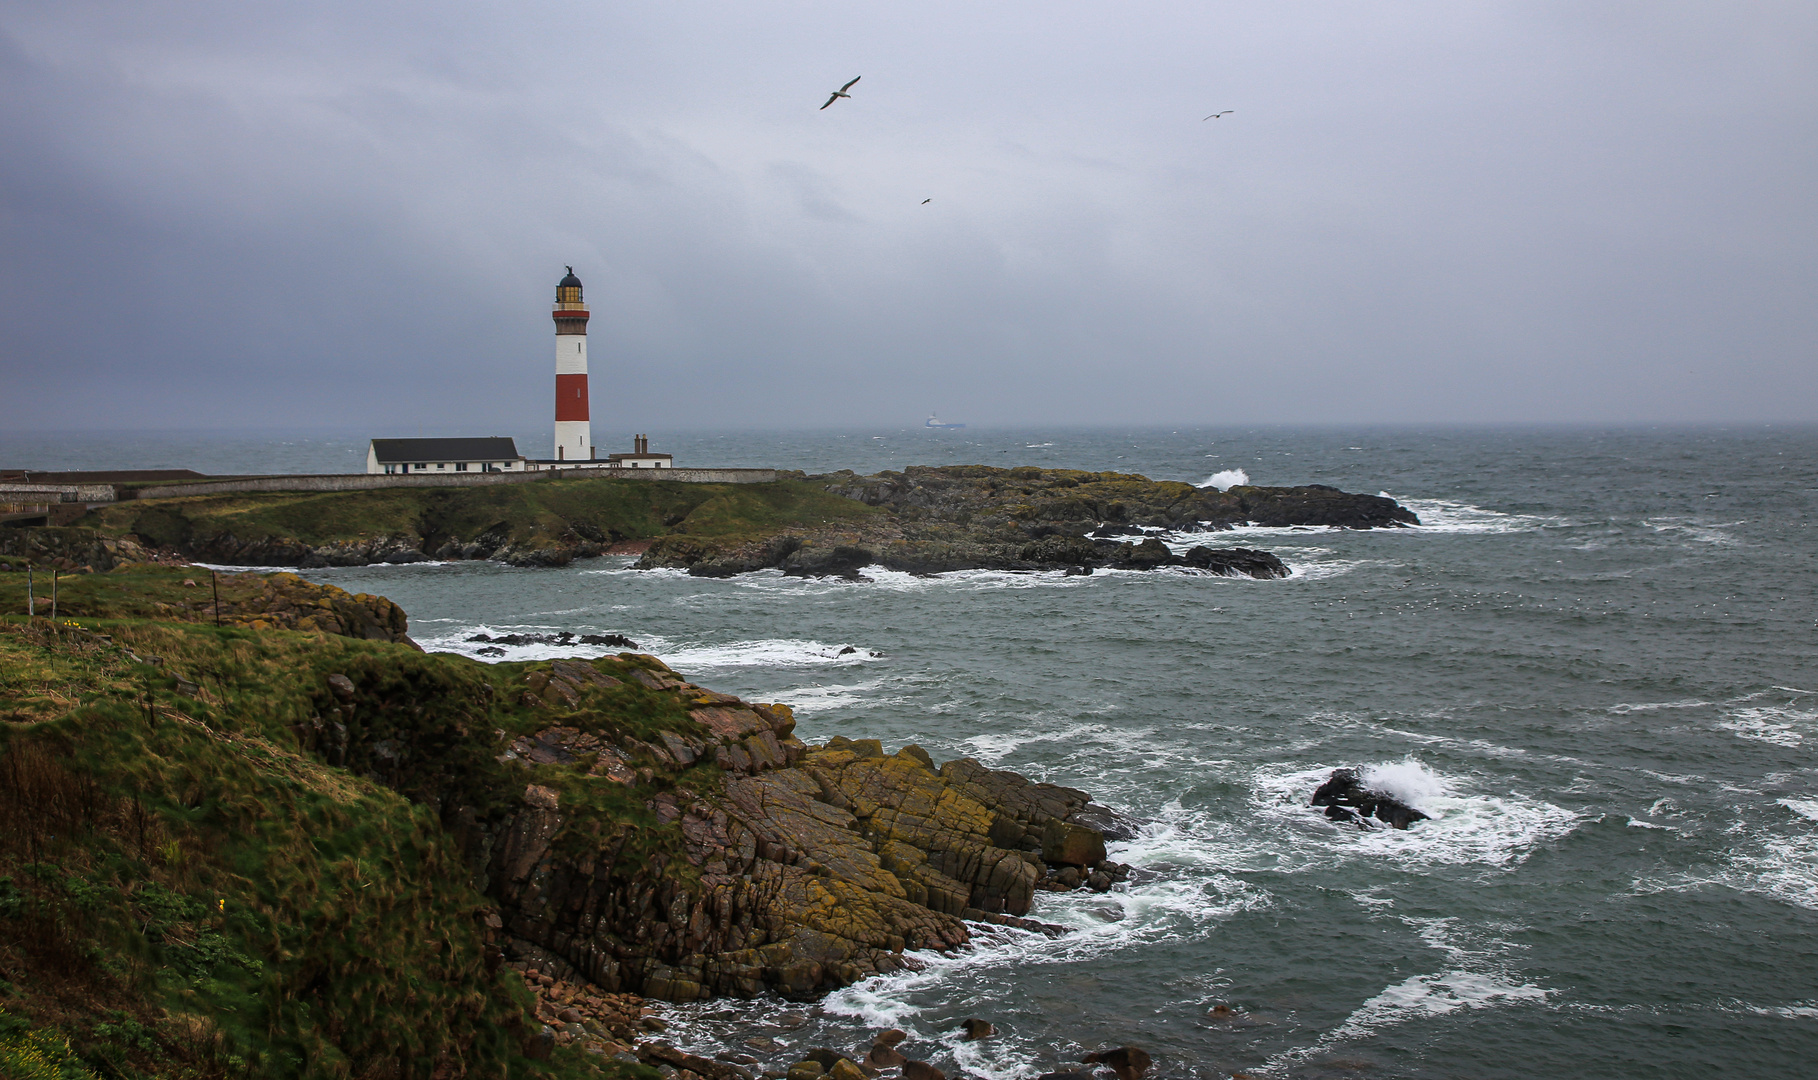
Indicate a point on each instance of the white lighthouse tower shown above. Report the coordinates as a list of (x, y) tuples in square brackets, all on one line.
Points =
[(573, 430)]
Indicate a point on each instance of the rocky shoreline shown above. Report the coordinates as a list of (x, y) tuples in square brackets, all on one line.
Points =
[(923, 520), (972, 517)]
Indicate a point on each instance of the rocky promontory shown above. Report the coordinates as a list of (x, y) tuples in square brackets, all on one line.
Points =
[(792, 868), (967, 517), (924, 519), (321, 845)]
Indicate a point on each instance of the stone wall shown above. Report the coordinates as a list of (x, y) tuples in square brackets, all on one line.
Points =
[(366, 481)]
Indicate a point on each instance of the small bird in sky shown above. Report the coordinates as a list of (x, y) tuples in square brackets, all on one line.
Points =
[(925, 202), (1202, 119), (841, 92)]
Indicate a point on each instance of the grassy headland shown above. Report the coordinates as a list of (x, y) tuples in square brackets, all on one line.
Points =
[(923, 519), (184, 890), (271, 848)]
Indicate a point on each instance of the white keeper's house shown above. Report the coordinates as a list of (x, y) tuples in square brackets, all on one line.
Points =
[(495, 454)]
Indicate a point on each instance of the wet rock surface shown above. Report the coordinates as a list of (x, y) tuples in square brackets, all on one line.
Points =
[(782, 867), (1346, 798)]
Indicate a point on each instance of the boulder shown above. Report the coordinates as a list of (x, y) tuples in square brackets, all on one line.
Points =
[(976, 1029), (1073, 845), (1128, 1062), (921, 1070), (1345, 798)]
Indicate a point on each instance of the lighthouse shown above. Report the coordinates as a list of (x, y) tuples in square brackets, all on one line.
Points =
[(573, 432)]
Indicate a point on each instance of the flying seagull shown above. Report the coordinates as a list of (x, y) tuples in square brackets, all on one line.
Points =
[(841, 92), (925, 202), (1202, 119)]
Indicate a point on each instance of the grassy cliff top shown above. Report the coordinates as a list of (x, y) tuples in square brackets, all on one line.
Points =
[(184, 891), (604, 510)]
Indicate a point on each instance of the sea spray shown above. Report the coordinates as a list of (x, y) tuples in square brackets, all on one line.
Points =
[(1226, 479)]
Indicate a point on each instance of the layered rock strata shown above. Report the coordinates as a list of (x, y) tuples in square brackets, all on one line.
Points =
[(720, 855)]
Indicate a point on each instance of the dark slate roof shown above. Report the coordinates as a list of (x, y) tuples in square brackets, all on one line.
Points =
[(395, 451), (570, 281)]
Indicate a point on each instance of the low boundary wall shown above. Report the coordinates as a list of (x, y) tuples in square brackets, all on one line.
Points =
[(370, 481)]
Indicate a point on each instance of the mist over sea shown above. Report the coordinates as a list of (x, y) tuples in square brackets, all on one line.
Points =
[(1593, 665)]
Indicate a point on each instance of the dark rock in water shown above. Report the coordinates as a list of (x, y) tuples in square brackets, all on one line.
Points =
[(565, 639), (1233, 561), (847, 651), (843, 560), (1346, 799), (1066, 1076), (884, 1057), (884, 1053), (1146, 555), (921, 1070), (1128, 1062), (977, 1029), (619, 641), (490, 650)]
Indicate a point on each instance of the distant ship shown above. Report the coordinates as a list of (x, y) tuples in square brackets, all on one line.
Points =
[(934, 422)]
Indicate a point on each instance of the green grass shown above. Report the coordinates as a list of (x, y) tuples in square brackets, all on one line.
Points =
[(600, 510), (188, 892)]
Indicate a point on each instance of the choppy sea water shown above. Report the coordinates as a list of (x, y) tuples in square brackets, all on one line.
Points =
[(1593, 665)]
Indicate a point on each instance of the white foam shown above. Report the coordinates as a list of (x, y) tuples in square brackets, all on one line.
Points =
[(1795, 1011), (1450, 516), (1623, 708), (1781, 725), (1805, 808), (1476, 975), (1437, 995), (1784, 865), (453, 639), (810, 700), (1226, 479), (764, 653), (1697, 531), (877, 577), (1408, 780), (1490, 829)]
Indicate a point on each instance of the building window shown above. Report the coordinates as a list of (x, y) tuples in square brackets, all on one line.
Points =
[(421, 465), (460, 466)]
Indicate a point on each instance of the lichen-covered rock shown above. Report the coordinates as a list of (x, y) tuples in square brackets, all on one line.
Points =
[(801, 868)]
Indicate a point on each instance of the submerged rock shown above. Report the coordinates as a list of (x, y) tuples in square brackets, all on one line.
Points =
[(1128, 1062), (1346, 799)]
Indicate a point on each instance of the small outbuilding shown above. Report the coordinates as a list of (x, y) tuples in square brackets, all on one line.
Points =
[(640, 457), (492, 454)]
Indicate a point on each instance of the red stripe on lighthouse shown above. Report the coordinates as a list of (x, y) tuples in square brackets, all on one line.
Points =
[(571, 397)]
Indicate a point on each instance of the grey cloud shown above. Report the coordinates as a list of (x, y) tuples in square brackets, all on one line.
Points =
[(355, 214)]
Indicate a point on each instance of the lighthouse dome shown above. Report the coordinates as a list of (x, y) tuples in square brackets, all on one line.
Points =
[(568, 290)]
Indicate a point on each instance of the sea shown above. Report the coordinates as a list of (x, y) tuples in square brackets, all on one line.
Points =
[(1594, 664)]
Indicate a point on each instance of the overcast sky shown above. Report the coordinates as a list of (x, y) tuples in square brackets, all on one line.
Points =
[(355, 214)]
